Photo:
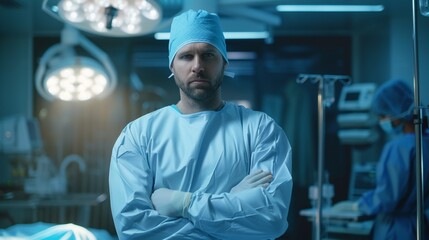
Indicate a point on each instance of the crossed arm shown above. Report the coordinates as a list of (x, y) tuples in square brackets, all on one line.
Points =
[(248, 210), (174, 203)]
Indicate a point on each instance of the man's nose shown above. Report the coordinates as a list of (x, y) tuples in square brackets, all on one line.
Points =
[(198, 65)]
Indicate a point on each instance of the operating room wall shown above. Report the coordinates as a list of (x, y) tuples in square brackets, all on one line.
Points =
[(384, 51), (401, 51), (16, 93), (371, 54)]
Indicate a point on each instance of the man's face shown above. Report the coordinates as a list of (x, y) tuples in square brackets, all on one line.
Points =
[(198, 71)]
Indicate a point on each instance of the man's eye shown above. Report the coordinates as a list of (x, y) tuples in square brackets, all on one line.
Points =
[(209, 55), (186, 56)]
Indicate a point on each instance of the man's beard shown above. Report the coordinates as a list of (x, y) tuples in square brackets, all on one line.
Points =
[(201, 94)]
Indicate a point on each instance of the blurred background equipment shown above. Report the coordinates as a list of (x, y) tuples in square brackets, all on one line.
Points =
[(19, 135), (357, 123), (31, 181), (20, 139), (325, 99)]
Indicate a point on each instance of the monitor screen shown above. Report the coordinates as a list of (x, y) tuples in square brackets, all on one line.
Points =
[(352, 96), (356, 97)]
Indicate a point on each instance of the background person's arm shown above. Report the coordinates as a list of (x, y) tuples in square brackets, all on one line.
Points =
[(391, 192)]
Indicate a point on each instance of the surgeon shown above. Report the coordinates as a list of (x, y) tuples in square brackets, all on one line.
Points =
[(393, 201), (202, 168)]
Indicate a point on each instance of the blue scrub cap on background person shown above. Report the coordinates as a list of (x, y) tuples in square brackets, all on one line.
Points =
[(395, 99), (196, 26)]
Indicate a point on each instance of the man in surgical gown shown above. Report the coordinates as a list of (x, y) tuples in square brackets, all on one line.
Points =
[(393, 201), (202, 168)]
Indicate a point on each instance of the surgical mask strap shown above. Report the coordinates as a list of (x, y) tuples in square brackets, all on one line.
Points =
[(388, 128)]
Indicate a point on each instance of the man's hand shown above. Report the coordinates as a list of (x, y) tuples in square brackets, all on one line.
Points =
[(170, 202), (258, 178)]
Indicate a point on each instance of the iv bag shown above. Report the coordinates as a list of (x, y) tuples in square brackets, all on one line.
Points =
[(424, 7), (329, 92)]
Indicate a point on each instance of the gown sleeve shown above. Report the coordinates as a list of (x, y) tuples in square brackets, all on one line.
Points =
[(256, 213), (390, 189), (131, 185)]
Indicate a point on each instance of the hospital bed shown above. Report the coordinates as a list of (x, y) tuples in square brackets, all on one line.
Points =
[(45, 231), (17, 204)]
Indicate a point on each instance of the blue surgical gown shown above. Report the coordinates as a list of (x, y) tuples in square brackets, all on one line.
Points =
[(206, 153), (394, 198)]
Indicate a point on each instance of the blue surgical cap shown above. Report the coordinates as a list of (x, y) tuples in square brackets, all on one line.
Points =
[(196, 26), (395, 99)]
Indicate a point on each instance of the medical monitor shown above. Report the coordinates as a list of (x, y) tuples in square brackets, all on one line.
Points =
[(356, 97), (19, 134), (362, 179)]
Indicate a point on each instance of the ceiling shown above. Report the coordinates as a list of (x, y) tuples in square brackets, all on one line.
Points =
[(27, 16)]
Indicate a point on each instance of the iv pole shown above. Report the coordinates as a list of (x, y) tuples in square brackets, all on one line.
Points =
[(418, 121), (325, 98)]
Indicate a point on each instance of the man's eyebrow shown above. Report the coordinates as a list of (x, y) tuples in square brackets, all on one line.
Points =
[(209, 49), (185, 52), (203, 50)]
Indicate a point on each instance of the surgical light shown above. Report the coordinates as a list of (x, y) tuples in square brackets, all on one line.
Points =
[(118, 18), (64, 75), (81, 79)]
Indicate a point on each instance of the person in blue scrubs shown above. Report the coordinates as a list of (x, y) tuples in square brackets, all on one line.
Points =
[(203, 168), (393, 201)]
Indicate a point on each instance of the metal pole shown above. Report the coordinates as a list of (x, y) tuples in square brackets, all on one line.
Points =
[(326, 84), (320, 159), (418, 121)]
